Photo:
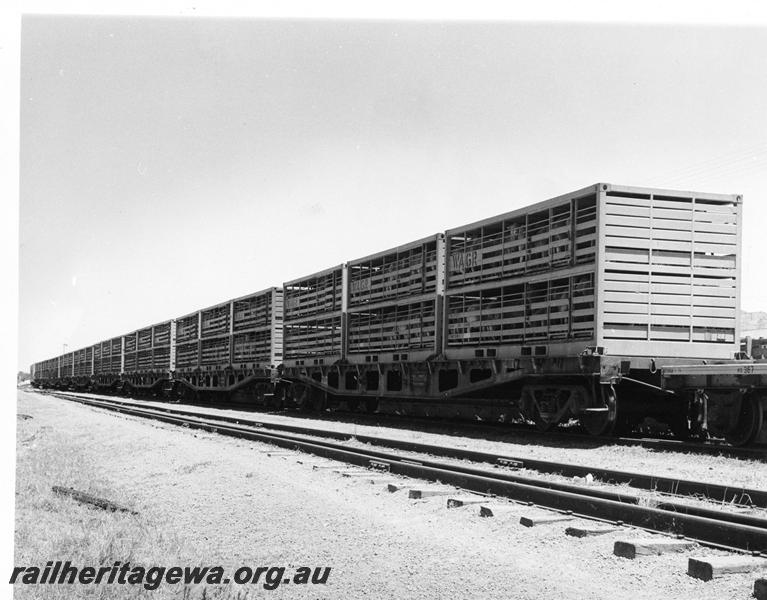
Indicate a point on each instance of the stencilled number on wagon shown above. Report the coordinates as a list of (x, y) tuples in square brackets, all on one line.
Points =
[(360, 285), (746, 369), (460, 262)]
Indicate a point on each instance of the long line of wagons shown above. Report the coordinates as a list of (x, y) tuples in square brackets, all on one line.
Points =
[(611, 307)]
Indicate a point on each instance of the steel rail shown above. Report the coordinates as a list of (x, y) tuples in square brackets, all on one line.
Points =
[(387, 456), (665, 485), (758, 453), (716, 529)]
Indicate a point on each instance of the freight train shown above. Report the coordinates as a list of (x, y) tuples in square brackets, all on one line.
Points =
[(563, 312)]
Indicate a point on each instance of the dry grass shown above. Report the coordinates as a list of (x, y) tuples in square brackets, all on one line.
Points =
[(50, 527)]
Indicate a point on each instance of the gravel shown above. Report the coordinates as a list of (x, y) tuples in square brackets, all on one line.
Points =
[(697, 467), (237, 506)]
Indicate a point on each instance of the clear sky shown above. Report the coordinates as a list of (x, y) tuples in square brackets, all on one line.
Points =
[(171, 163)]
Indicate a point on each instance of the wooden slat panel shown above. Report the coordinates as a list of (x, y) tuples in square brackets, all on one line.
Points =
[(319, 293), (620, 276), (659, 332), (627, 307), (253, 312), (627, 255), (161, 358), (715, 238), (672, 214), (706, 334), (673, 234), (672, 224), (671, 309), (627, 210), (708, 290), (714, 301), (681, 299), (671, 245), (718, 228), (716, 248), (679, 320), (186, 355), (615, 317), (669, 288), (626, 286), (618, 200), (640, 223), (625, 297), (668, 269), (627, 242), (713, 322), (672, 204), (619, 331), (667, 257), (716, 262), (714, 217), (710, 311)]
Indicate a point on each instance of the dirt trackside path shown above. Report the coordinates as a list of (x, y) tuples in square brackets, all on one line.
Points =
[(206, 499)]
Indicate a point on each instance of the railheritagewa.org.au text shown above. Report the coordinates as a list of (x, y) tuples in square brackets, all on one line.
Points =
[(65, 573)]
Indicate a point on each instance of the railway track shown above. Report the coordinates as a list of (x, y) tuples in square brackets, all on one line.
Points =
[(729, 530), (666, 485), (499, 431)]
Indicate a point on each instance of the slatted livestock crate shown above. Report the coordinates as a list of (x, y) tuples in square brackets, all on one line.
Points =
[(392, 304), (53, 368), (312, 326), (146, 358), (96, 350), (45, 373), (313, 333), (107, 364), (233, 347), (610, 279), (540, 312), (66, 368), (394, 316), (82, 368)]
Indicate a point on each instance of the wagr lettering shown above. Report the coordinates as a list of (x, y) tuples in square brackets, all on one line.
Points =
[(460, 262), (360, 285)]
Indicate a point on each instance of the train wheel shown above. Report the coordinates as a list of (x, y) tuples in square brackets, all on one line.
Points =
[(600, 420), (371, 405), (750, 421)]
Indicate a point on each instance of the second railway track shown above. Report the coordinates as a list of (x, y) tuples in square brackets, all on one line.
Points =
[(666, 485), (488, 430), (730, 530)]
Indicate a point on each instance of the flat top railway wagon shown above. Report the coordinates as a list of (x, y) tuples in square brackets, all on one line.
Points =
[(566, 310)]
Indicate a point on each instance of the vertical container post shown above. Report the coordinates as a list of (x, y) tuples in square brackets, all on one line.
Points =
[(439, 307), (172, 358)]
